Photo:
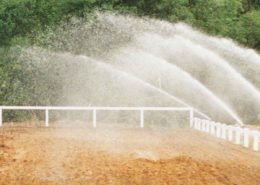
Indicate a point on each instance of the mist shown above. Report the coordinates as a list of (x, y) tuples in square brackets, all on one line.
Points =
[(116, 60)]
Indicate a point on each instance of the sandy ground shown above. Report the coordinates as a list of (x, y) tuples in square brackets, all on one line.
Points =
[(61, 156)]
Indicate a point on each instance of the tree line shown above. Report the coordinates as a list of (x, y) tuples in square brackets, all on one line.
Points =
[(22, 20)]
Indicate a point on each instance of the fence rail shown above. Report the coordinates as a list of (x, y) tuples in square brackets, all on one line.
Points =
[(235, 134), (94, 111), (245, 136)]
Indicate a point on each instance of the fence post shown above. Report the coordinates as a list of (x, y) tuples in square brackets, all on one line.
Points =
[(142, 118), (203, 125), (246, 137), (212, 127), (199, 124), (230, 133), (256, 136), (94, 118), (207, 126), (195, 123), (238, 133), (46, 117), (218, 130), (223, 131), (1, 117), (191, 117)]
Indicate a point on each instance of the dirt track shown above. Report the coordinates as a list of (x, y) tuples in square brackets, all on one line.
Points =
[(122, 156)]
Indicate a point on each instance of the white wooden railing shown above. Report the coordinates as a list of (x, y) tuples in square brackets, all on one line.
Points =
[(236, 134), (94, 111)]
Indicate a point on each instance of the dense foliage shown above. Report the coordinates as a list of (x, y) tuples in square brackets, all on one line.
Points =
[(23, 21)]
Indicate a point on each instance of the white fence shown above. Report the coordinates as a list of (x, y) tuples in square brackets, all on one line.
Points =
[(94, 111), (238, 135), (245, 136)]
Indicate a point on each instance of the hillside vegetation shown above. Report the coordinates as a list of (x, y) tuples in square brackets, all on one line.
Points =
[(22, 20)]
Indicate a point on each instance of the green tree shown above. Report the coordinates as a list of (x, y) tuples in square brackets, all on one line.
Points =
[(250, 32)]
